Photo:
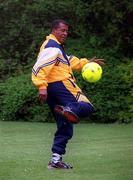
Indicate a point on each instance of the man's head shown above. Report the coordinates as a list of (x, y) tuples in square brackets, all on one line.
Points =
[(60, 30)]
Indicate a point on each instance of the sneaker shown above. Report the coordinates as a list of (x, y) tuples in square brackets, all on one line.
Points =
[(67, 113), (59, 165)]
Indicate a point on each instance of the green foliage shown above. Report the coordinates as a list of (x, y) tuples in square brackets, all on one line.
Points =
[(112, 96), (111, 20), (126, 112), (24, 23), (19, 101), (99, 28)]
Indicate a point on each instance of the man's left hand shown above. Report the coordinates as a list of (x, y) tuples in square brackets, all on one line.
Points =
[(101, 62)]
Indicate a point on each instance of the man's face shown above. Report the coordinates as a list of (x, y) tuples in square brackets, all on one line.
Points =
[(61, 32)]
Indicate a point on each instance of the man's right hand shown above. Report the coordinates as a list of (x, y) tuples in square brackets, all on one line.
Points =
[(42, 95)]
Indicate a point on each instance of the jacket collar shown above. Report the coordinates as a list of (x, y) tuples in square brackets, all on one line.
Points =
[(51, 36)]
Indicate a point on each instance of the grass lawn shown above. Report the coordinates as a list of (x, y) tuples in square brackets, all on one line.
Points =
[(97, 152)]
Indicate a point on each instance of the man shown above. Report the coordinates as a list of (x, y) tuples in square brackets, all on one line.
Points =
[(52, 74)]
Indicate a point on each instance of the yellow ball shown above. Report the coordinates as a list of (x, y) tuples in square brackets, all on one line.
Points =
[(92, 72)]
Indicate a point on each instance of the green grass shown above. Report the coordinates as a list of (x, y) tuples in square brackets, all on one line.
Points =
[(97, 152)]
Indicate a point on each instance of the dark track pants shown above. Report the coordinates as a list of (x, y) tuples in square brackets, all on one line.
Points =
[(58, 94)]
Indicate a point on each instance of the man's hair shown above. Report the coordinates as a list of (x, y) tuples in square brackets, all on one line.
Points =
[(56, 22)]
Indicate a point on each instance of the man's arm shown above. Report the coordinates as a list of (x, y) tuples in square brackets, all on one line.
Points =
[(42, 68), (77, 64)]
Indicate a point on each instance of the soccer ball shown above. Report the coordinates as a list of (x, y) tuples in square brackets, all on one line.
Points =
[(92, 72)]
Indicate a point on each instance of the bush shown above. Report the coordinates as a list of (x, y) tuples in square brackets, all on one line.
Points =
[(112, 96), (126, 112), (19, 101), (24, 23)]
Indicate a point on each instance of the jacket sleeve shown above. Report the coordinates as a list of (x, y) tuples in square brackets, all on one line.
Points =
[(76, 63), (44, 64)]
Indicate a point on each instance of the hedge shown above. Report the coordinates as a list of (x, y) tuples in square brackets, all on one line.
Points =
[(112, 97)]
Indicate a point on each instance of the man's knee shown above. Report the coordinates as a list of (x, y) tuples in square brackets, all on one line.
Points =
[(86, 109)]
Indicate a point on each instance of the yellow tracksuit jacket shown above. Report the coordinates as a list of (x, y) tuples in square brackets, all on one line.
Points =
[(54, 65)]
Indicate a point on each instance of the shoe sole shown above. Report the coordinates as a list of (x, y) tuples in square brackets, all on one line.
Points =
[(52, 168), (68, 115)]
